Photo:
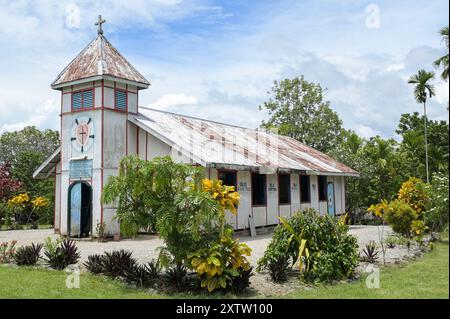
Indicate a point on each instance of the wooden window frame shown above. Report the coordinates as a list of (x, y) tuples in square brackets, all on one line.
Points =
[(228, 171), (265, 190), (324, 186), (300, 189), (289, 190)]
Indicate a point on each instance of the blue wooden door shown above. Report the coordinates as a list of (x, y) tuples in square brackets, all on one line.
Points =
[(330, 195), (75, 209)]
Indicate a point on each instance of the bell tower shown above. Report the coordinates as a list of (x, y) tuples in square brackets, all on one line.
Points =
[(99, 89)]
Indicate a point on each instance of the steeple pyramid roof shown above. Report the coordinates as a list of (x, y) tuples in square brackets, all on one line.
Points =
[(97, 60)]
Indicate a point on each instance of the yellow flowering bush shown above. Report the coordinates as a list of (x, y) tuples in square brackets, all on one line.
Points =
[(414, 192), (379, 209), (225, 195), (39, 202), (19, 201)]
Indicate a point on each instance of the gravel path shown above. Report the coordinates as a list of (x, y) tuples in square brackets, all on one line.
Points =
[(145, 247)]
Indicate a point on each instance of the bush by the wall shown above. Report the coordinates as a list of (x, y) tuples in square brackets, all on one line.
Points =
[(436, 218), (333, 253), (399, 215)]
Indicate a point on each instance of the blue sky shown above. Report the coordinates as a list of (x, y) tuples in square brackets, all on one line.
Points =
[(218, 59)]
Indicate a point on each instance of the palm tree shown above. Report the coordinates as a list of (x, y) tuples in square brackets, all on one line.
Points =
[(443, 61), (422, 90)]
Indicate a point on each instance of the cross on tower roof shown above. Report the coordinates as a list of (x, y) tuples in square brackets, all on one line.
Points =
[(99, 23)]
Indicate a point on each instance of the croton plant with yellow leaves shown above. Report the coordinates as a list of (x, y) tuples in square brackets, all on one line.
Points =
[(225, 195), (414, 194)]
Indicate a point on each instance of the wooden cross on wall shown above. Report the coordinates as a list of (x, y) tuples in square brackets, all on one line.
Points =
[(99, 24)]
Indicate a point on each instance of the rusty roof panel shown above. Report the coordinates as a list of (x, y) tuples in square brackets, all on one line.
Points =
[(97, 59), (212, 143)]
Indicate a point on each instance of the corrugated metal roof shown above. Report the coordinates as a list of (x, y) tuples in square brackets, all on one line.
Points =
[(48, 167), (214, 144), (99, 58)]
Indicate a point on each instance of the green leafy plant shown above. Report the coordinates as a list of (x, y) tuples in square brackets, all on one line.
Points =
[(399, 215), (145, 275), (175, 278), (59, 254), (436, 218), (333, 253), (94, 264), (241, 282), (168, 195), (370, 252), (117, 262), (218, 264), (300, 245), (27, 255)]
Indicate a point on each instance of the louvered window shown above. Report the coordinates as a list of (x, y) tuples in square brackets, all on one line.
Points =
[(83, 99), (120, 100), (88, 98), (77, 100)]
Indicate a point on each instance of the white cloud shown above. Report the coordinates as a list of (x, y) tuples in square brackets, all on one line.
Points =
[(173, 99), (365, 131), (442, 89)]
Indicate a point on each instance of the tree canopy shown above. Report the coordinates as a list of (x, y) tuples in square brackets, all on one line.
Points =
[(297, 109)]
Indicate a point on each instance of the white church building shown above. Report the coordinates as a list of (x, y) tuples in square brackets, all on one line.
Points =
[(101, 122)]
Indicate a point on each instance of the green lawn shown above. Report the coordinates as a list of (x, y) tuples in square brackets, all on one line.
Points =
[(425, 278), (27, 282)]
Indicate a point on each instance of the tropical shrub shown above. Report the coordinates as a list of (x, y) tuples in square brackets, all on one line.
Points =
[(117, 262), (436, 218), (332, 251), (370, 252), (170, 195), (399, 215), (27, 255), (277, 263), (59, 254), (176, 278), (418, 229), (141, 275), (219, 263), (94, 264), (415, 193), (7, 250), (242, 281), (225, 196)]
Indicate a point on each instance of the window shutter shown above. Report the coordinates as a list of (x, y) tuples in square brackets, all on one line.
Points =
[(77, 101), (88, 99), (121, 100)]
